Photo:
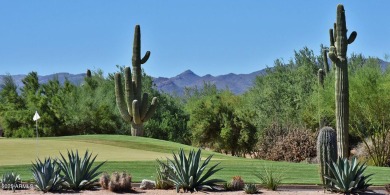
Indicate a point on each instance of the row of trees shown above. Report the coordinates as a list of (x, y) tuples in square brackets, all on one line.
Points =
[(286, 97)]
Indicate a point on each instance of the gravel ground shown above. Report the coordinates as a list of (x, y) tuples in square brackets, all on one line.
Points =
[(293, 190)]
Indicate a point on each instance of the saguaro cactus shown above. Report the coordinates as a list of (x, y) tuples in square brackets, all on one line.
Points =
[(326, 152), (326, 64), (338, 54), (89, 74), (321, 75), (133, 109)]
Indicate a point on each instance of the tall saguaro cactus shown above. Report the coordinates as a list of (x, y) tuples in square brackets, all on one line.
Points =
[(133, 109), (338, 54), (322, 72)]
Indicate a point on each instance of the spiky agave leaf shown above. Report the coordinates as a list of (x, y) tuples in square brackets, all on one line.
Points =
[(46, 175), (348, 176), (79, 174), (188, 174)]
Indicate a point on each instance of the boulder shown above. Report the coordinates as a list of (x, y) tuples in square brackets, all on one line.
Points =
[(147, 184)]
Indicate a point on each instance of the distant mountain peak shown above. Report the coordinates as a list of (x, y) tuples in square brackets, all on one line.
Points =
[(188, 73), (238, 84)]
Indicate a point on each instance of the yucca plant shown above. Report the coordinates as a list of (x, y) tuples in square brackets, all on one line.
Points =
[(188, 172), (163, 171), (10, 180), (78, 172), (46, 175), (269, 179), (250, 188), (348, 176)]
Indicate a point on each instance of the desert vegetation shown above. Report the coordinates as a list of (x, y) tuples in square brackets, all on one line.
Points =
[(287, 115)]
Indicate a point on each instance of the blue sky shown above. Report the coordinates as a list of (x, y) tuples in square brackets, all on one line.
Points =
[(207, 36)]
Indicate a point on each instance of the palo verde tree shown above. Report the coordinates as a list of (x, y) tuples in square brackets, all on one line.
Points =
[(132, 108), (338, 54)]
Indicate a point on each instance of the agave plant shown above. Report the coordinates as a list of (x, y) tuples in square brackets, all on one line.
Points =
[(163, 172), (188, 174), (10, 181), (78, 172), (348, 176), (269, 179), (47, 175)]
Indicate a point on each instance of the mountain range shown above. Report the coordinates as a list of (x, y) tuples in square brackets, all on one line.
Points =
[(237, 83)]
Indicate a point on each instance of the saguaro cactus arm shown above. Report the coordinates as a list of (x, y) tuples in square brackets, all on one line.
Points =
[(120, 100), (144, 105), (136, 115), (325, 57), (152, 109), (321, 75), (129, 90), (145, 58), (332, 49), (352, 37)]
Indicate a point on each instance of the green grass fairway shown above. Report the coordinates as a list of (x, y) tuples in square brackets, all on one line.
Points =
[(24, 151), (137, 155)]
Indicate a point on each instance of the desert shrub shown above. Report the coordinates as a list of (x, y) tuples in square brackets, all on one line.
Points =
[(267, 141), (284, 144), (375, 149), (118, 182)]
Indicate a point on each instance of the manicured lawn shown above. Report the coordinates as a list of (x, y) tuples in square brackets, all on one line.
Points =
[(137, 156)]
